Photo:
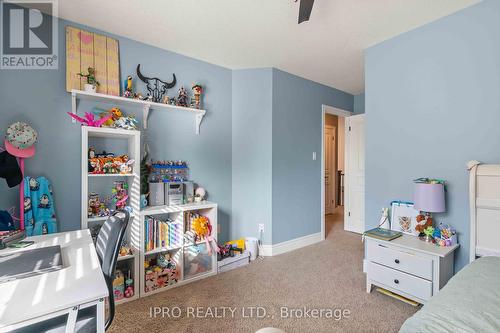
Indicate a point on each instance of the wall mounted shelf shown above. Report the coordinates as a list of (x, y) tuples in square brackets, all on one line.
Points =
[(122, 101)]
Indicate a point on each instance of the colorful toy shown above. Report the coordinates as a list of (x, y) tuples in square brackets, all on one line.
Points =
[(197, 91), (423, 221), (127, 87), (120, 194), (115, 114), (428, 232), (89, 119), (92, 83), (128, 123), (239, 243), (108, 163), (94, 204), (118, 285)]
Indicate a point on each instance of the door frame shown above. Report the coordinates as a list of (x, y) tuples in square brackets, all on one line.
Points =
[(336, 112), (333, 174)]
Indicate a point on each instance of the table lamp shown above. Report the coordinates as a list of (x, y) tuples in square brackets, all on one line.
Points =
[(428, 198)]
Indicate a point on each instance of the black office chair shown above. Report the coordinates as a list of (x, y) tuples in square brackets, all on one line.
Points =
[(107, 246)]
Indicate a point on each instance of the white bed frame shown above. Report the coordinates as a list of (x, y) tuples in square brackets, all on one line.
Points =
[(484, 197)]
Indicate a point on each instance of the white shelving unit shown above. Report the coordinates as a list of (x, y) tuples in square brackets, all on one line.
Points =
[(181, 250), (145, 105), (132, 139)]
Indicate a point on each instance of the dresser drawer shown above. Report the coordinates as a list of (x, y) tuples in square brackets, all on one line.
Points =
[(397, 280), (399, 259)]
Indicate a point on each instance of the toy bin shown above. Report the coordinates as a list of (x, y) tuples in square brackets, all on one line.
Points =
[(197, 260)]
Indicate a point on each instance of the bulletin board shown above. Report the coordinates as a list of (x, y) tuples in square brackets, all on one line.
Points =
[(86, 49)]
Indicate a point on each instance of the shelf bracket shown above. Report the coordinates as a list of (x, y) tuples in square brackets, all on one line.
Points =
[(145, 114), (74, 105), (198, 119)]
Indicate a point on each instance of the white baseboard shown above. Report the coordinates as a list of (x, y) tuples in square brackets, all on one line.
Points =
[(294, 244)]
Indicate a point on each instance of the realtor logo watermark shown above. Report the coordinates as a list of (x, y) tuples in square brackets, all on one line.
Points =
[(28, 34)]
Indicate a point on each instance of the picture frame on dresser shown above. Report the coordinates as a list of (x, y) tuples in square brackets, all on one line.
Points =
[(404, 217)]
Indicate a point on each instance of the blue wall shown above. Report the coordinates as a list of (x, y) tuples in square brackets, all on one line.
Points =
[(39, 97), (359, 103), (432, 104), (296, 135), (252, 153)]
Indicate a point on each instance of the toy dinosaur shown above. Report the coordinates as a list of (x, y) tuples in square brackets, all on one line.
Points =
[(90, 120)]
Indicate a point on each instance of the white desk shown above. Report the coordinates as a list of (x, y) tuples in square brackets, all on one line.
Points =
[(37, 298)]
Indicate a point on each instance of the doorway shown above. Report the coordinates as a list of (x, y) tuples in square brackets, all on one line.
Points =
[(342, 171)]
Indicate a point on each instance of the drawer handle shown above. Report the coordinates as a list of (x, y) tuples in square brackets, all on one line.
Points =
[(396, 281), (396, 261)]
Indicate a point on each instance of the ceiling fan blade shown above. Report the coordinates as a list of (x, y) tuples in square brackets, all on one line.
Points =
[(305, 10)]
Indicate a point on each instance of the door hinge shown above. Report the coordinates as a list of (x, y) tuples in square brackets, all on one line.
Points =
[(349, 128), (349, 214)]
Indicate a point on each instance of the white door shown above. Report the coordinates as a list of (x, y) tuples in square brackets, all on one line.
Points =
[(330, 168), (354, 219)]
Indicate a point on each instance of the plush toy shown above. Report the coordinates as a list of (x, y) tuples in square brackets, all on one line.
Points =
[(111, 115), (423, 221), (201, 226), (89, 119)]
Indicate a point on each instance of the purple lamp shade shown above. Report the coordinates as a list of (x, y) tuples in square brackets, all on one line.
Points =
[(429, 198)]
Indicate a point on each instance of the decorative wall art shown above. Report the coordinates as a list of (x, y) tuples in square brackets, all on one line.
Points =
[(404, 217), (86, 49)]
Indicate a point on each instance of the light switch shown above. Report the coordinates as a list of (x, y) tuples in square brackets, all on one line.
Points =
[(314, 156)]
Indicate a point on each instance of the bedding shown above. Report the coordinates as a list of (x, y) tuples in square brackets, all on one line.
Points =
[(470, 302)]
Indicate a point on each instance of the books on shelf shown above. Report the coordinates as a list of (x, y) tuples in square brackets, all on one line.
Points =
[(383, 234), (161, 233)]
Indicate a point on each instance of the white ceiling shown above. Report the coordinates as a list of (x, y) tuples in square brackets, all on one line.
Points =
[(264, 33)]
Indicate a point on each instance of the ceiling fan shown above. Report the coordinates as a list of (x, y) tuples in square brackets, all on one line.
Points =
[(305, 10)]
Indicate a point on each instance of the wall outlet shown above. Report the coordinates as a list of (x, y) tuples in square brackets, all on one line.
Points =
[(261, 228)]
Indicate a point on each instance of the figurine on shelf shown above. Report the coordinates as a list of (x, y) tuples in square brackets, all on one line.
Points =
[(90, 120), (127, 123), (94, 204), (182, 98), (127, 88), (92, 83), (197, 91), (165, 99), (120, 194)]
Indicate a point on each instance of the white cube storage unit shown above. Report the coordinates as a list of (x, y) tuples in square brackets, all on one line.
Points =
[(129, 143), (192, 260)]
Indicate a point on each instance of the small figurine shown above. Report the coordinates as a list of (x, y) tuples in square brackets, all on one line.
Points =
[(127, 87), (197, 91), (115, 114), (165, 99), (92, 83), (182, 98), (94, 204), (120, 194)]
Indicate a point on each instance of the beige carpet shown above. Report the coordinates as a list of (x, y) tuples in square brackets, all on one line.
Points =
[(325, 275)]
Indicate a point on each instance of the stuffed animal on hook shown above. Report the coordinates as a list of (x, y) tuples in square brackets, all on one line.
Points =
[(90, 120)]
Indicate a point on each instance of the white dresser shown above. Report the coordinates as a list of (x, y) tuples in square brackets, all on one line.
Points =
[(408, 266)]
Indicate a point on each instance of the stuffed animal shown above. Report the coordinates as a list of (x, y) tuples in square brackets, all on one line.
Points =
[(114, 113), (423, 221)]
